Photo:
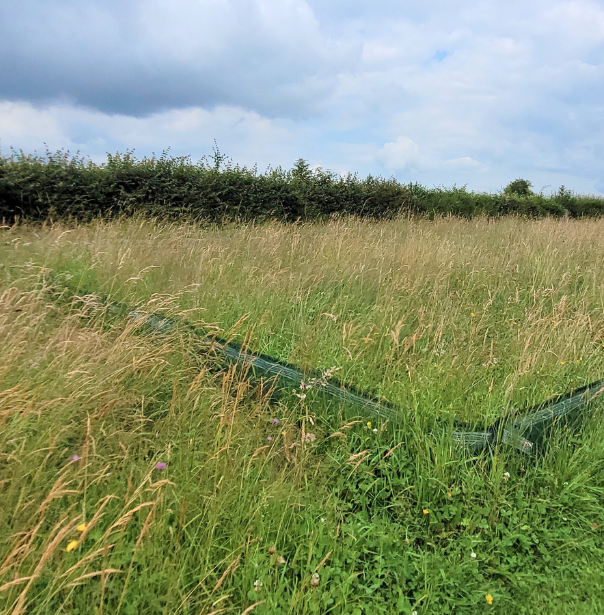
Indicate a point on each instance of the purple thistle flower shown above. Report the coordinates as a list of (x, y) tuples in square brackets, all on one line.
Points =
[(75, 458), (270, 439), (161, 466), (275, 421)]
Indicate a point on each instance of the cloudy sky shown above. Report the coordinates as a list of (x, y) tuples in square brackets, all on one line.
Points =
[(448, 92)]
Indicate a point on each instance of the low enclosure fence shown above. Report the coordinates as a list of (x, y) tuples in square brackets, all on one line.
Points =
[(525, 431)]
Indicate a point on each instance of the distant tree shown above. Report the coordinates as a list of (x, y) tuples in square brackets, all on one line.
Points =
[(302, 170), (519, 187)]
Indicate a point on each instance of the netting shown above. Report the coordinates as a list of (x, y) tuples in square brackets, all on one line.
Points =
[(524, 432), (271, 367)]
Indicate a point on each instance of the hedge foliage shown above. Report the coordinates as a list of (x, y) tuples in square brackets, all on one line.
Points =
[(58, 185)]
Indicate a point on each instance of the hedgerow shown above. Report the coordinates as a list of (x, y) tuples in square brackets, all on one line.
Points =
[(61, 186)]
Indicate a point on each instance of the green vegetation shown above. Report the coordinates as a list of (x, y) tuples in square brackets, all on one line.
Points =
[(279, 503), (59, 186)]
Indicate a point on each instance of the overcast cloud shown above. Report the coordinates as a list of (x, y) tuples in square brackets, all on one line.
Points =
[(437, 92)]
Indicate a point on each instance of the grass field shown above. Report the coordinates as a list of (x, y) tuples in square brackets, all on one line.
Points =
[(271, 502)]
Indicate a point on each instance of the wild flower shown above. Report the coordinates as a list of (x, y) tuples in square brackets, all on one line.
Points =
[(368, 424), (270, 438), (71, 545), (328, 373), (300, 395), (506, 476), (426, 511), (81, 527), (375, 430), (257, 585), (473, 555), (315, 579), (322, 381), (161, 465), (275, 421), (75, 458), (309, 437), (489, 599), (281, 560)]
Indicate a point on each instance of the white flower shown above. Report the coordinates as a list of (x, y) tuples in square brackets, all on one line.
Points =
[(506, 476), (257, 585), (413, 612), (375, 430), (473, 555), (314, 579)]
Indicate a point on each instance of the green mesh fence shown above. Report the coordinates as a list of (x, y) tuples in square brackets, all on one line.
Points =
[(263, 365), (527, 432), (523, 431)]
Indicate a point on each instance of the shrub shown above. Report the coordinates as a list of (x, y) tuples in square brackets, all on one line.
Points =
[(58, 185), (519, 187)]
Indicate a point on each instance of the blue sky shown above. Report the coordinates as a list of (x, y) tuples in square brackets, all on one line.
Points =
[(456, 92)]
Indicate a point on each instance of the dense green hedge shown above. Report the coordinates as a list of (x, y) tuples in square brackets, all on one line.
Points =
[(63, 186)]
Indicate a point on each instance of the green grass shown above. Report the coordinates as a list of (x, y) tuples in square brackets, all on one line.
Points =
[(442, 319)]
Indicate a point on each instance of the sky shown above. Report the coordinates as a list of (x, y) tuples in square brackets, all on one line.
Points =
[(441, 93)]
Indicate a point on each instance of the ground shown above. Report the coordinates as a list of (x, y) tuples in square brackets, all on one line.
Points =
[(141, 474)]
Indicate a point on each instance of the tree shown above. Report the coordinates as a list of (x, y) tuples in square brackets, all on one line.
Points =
[(519, 187)]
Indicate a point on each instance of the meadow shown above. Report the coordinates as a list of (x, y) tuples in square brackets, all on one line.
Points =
[(140, 474)]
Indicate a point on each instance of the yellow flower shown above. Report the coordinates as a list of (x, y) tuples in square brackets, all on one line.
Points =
[(369, 424), (72, 545), (426, 511), (489, 598), (472, 314), (81, 527), (449, 495), (561, 362)]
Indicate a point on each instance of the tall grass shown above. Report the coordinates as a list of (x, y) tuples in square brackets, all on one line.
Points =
[(441, 318)]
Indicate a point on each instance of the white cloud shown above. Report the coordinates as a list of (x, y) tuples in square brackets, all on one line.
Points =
[(399, 154), (464, 161), (243, 135)]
